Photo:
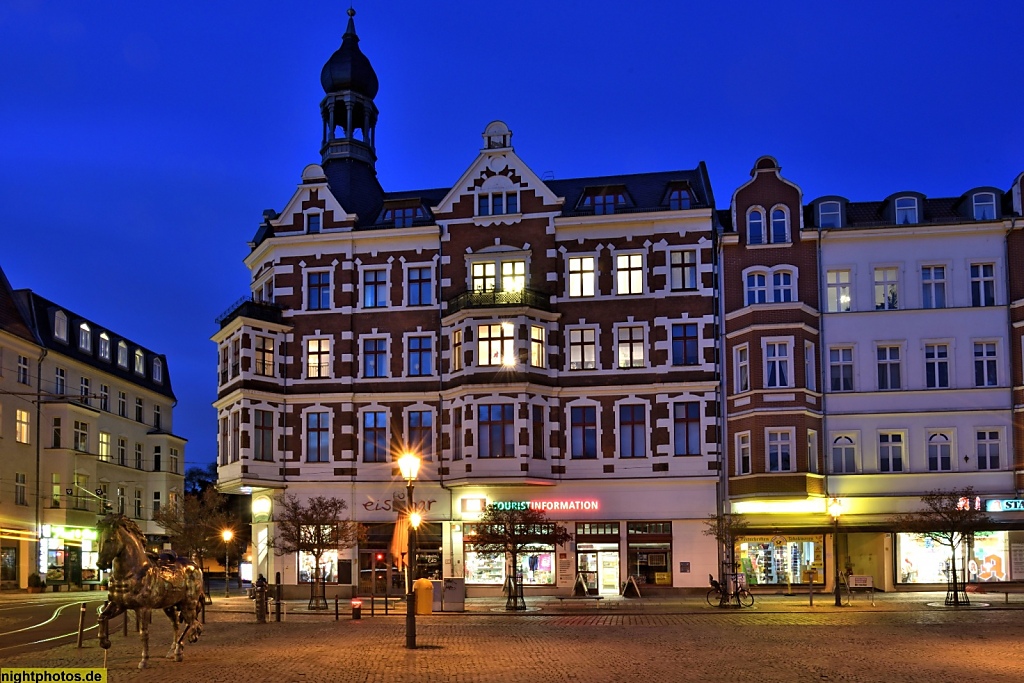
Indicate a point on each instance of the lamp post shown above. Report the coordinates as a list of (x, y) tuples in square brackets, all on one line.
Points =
[(226, 535), (835, 509), (409, 466)]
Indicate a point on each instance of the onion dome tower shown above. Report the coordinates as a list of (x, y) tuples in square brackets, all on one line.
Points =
[(348, 150)]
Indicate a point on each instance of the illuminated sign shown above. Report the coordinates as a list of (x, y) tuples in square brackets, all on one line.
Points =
[(70, 533), (1014, 505), (547, 505)]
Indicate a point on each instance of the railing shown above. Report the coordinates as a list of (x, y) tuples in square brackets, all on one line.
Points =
[(250, 307), (493, 297)]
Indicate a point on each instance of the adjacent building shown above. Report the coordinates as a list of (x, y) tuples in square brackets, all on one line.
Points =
[(85, 426)]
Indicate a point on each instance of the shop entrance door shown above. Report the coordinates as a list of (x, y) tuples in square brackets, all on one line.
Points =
[(374, 570), (598, 563), (609, 563), (74, 566)]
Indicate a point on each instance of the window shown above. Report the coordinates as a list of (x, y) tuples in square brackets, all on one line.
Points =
[(420, 286), (312, 223), (56, 440), (604, 202), (81, 436), (104, 446), (890, 452), (224, 444), (122, 451), (984, 206), (936, 366), (138, 504), (983, 284), (60, 326), (757, 288), (810, 371), (158, 371), (20, 488), (104, 346), (780, 226), (906, 210), (683, 270), (583, 432), (780, 449), (59, 381), (236, 436), (421, 432), (840, 368), (686, 428), (374, 437), (685, 344), (776, 364), (888, 367), (484, 277), (844, 455), (122, 404), (138, 455), (84, 390), (122, 354), (403, 217), (939, 452), (496, 344), (755, 227), (582, 349), (632, 431), (420, 356), (318, 437), (985, 364), (631, 347), (829, 215), (138, 410), (886, 289), (156, 417), (680, 198), (264, 356), (263, 448), (742, 378), (456, 350), (933, 287), (538, 352), (120, 500), (55, 490), (513, 276), (157, 458), (236, 356), (457, 435), (375, 358), (743, 453), (175, 458), (581, 276), (318, 358), (156, 502), (782, 286), (318, 291), (629, 273), (812, 451), (105, 398), (23, 370), (140, 362), (224, 364), (497, 203), (496, 431), (21, 422), (85, 338), (988, 449), (375, 288)]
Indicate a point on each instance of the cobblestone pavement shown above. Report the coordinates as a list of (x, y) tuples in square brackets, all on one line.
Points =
[(912, 640)]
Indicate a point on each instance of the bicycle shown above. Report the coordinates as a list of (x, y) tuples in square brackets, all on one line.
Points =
[(718, 596)]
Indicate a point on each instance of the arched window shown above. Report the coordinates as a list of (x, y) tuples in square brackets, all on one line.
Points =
[(984, 206), (104, 346), (140, 362), (158, 370), (906, 211), (755, 226), (85, 338), (939, 453), (844, 455), (780, 226), (829, 215), (122, 354), (60, 326), (757, 288)]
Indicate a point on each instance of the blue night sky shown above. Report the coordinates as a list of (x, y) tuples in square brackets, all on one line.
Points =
[(141, 141)]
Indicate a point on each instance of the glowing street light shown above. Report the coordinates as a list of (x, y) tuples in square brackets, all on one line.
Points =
[(409, 466), (227, 535)]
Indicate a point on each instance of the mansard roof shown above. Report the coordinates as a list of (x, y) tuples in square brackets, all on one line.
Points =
[(13, 318)]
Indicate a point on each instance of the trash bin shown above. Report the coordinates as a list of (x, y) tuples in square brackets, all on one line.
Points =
[(423, 589)]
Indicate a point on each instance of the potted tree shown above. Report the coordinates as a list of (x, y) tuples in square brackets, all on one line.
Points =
[(36, 583)]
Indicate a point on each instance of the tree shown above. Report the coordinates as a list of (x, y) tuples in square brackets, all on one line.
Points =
[(948, 518), (314, 527), (200, 479), (725, 528), (510, 530), (194, 524)]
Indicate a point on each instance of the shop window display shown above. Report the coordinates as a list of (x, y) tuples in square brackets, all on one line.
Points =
[(650, 563), (328, 567), (923, 559), (777, 560), (536, 564)]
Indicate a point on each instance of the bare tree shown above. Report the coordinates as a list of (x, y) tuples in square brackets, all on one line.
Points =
[(948, 518), (511, 530), (194, 523), (316, 526)]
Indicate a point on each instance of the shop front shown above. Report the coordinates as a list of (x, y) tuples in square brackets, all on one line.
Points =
[(773, 560), (988, 556), (68, 556)]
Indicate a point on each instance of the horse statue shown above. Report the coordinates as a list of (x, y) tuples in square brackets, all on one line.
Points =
[(142, 582)]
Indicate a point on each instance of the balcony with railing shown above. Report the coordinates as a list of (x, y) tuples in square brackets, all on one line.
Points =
[(491, 298), (251, 307)]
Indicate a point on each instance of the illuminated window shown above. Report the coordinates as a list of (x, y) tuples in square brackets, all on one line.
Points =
[(21, 423), (140, 362), (629, 274), (318, 358), (496, 344), (484, 277), (456, 350), (582, 348), (886, 289), (60, 326), (582, 276), (538, 350), (84, 338), (631, 347)]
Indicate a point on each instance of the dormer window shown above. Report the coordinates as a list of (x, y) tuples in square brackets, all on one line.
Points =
[(85, 338), (829, 215), (780, 226), (122, 354), (984, 206), (312, 223), (680, 198), (906, 211), (604, 200), (497, 203), (140, 362), (755, 226), (60, 326), (104, 346), (158, 373), (402, 216)]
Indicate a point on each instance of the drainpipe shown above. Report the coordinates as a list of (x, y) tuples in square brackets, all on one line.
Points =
[(39, 455), (725, 550), (1009, 339)]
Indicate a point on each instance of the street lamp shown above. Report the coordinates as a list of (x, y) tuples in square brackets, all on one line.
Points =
[(226, 535), (409, 466), (835, 509)]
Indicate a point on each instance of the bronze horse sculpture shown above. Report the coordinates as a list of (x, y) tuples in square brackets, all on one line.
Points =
[(142, 582)]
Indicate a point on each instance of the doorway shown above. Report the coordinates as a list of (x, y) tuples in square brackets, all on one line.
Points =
[(598, 563)]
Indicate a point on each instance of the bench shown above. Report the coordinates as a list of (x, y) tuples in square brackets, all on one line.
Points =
[(996, 587)]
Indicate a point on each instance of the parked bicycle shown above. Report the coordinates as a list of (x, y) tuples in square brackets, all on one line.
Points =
[(720, 596)]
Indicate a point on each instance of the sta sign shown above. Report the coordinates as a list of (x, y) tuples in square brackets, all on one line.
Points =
[(1013, 505)]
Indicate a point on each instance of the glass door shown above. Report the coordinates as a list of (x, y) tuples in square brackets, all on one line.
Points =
[(609, 572), (586, 566)]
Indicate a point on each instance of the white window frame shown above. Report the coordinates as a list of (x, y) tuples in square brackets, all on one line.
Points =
[(60, 326), (538, 356), (306, 375), (838, 213), (360, 350), (751, 291), (764, 225), (505, 341), (684, 266), (840, 363), (772, 218), (885, 286), (630, 281), (812, 451), (985, 445), (140, 362), (744, 455), (308, 217), (810, 367), (85, 338), (104, 346), (931, 364), (906, 205), (978, 284), (779, 291), (122, 354), (595, 345), (888, 361), (408, 283), (583, 403), (22, 426), (632, 343), (989, 362), (581, 282), (935, 285), (306, 272), (158, 371), (838, 286), (889, 447), (741, 364), (407, 341), (362, 271), (788, 342), (976, 204), (304, 453), (933, 438), (790, 440), (853, 442)]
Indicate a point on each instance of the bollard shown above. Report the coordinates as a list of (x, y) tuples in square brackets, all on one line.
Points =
[(335, 607), (373, 605), (277, 598), (125, 623), (811, 584), (357, 609), (81, 624)]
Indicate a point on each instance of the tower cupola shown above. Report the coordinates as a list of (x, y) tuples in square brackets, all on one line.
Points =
[(348, 112)]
